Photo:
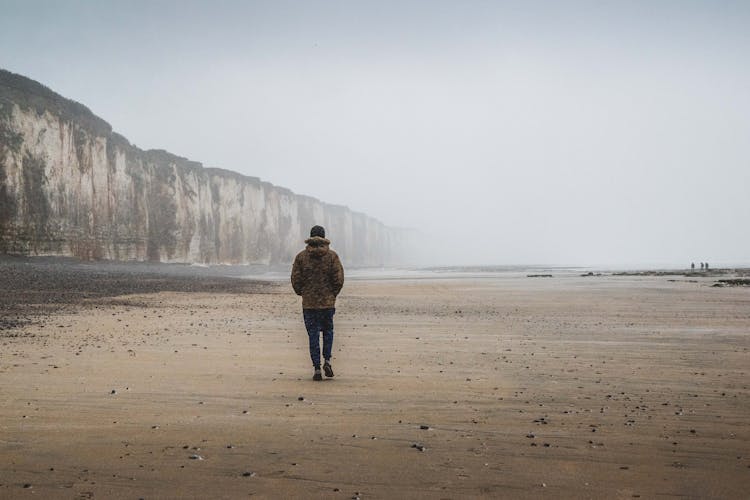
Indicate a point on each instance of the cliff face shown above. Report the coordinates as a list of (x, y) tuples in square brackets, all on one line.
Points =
[(71, 186)]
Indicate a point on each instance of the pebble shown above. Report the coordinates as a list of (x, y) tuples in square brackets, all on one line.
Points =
[(248, 474), (196, 457), (418, 446), (424, 427)]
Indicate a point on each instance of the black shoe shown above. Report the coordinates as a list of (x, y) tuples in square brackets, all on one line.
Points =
[(327, 368), (317, 375)]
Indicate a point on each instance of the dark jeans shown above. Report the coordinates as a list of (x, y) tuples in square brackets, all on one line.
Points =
[(317, 321)]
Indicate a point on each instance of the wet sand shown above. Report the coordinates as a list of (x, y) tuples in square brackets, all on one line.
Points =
[(597, 387)]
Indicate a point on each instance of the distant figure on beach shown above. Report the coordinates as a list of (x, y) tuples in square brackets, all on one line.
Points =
[(701, 266), (318, 276), (692, 266), (706, 266)]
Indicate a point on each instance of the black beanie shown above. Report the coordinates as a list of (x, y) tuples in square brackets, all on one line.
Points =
[(317, 231)]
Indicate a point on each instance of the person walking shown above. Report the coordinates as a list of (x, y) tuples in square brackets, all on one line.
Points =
[(318, 276)]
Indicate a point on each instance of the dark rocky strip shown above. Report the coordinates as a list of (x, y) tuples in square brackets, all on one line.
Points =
[(734, 282), (706, 274), (33, 287)]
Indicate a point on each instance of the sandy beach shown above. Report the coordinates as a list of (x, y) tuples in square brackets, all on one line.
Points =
[(503, 387)]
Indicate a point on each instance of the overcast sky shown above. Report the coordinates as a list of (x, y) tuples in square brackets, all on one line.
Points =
[(589, 133)]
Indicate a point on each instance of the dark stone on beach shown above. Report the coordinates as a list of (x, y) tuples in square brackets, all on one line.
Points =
[(301, 398), (418, 446), (424, 427), (530, 435), (27, 485), (248, 474), (113, 391)]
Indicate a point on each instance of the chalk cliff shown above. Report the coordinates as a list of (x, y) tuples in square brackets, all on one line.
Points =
[(71, 186)]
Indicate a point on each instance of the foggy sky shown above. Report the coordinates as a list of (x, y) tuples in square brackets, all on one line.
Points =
[(582, 133)]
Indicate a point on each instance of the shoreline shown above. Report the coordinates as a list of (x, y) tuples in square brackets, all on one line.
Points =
[(34, 286)]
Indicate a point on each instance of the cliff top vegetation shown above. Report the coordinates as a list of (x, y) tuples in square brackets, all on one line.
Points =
[(30, 94)]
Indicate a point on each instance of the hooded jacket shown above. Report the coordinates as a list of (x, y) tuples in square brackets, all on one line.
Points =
[(317, 274)]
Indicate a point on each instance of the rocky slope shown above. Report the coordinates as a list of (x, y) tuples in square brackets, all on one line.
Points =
[(71, 186)]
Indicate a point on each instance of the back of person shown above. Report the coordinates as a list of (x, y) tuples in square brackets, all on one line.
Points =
[(318, 276)]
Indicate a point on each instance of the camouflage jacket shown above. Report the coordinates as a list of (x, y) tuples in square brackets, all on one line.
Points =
[(317, 274)]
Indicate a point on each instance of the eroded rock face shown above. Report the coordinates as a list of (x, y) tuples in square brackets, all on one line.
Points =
[(71, 186)]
